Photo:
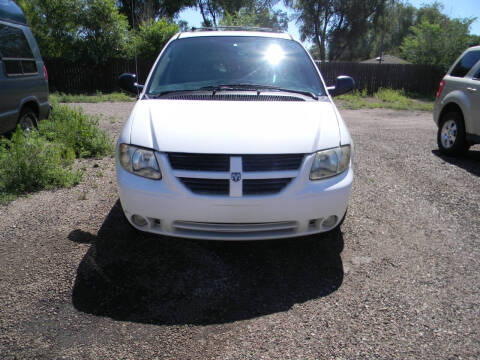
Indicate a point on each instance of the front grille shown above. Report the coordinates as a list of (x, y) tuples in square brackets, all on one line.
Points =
[(210, 174), (207, 186), (264, 186), (199, 162), (272, 162), (221, 162)]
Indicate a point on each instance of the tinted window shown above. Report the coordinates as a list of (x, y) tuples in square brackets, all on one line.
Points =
[(29, 66), (192, 63), (466, 63), (13, 67)]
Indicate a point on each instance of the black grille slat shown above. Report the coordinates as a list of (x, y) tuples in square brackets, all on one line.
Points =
[(232, 97), (264, 186), (207, 186), (272, 162), (199, 162)]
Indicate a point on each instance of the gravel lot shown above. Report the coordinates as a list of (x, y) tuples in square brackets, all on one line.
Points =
[(400, 281)]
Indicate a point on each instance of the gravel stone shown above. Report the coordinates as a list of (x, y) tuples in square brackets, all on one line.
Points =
[(401, 279)]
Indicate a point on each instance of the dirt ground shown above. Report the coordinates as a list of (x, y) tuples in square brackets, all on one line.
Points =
[(401, 280)]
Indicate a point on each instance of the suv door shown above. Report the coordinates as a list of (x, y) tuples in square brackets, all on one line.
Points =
[(461, 79), (473, 93)]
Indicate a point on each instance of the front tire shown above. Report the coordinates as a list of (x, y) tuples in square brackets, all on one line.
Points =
[(451, 137), (28, 120)]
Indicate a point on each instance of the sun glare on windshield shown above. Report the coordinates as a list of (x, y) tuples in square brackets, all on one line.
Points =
[(274, 54)]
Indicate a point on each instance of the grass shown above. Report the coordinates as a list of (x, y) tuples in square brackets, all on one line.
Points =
[(90, 98), (76, 131), (386, 99), (44, 159)]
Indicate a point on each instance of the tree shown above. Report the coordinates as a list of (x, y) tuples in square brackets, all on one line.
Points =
[(315, 18), (352, 22), (242, 13), (54, 24), (141, 11), (91, 30), (337, 25), (392, 27), (263, 17), (436, 39), (103, 31), (152, 37)]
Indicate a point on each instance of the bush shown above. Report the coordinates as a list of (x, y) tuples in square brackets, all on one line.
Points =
[(152, 36), (77, 131), (30, 163)]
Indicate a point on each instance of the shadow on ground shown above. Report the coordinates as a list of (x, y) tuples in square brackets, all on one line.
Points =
[(127, 275), (470, 161)]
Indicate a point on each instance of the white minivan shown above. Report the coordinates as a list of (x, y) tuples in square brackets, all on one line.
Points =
[(234, 137)]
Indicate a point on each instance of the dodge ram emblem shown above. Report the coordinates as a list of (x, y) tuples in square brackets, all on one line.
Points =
[(236, 176)]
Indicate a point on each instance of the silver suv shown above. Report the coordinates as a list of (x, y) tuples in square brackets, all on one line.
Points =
[(457, 106)]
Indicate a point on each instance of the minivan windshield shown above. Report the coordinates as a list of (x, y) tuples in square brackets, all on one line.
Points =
[(206, 62)]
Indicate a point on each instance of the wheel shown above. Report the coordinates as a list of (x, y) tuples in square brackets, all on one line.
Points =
[(451, 134), (28, 120)]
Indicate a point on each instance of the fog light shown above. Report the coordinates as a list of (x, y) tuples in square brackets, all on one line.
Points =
[(139, 220), (330, 221)]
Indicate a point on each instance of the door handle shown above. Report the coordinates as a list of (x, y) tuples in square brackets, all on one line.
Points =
[(471, 89)]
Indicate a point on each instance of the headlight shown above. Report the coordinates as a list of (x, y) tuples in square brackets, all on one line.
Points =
[(139, 161), (328, 163)]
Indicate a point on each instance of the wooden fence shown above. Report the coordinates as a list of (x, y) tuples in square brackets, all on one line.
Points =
[(78, 77), (421, 79)]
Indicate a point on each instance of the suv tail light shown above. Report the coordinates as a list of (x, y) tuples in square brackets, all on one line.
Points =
[(440, 88), (45, 72)]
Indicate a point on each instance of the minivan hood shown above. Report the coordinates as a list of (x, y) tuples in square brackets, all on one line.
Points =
[(234, 127)]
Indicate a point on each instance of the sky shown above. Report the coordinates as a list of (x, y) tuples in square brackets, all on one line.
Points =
[(456, 9)]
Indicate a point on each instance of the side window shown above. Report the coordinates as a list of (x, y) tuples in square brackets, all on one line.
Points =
[(465, 64), (477, 75), (15, 52)]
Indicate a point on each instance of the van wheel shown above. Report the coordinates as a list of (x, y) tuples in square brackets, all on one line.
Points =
[(451, 137), (28, 120)]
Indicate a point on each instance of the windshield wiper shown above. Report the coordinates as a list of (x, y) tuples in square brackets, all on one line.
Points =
[(255, 87)]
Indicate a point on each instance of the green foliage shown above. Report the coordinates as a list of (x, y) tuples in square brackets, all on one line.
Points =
[(242, 13), (77, 132), (262, 17), (140, 11), (103, 31), (43, 159), (31, 163), (85, 98), (152, 37), (437, 40), (90, 30), (384, 98)]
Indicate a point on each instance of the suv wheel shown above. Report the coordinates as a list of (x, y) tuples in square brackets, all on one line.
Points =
[(451, 134), (28, 120)]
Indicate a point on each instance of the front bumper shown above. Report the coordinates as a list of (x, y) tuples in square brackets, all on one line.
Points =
[(171, 209)]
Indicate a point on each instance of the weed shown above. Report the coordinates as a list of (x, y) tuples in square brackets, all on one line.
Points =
[(28, 162), (385, 98), (77, 131)]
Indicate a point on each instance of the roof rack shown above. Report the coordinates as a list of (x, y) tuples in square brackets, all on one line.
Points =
[(235, 28)]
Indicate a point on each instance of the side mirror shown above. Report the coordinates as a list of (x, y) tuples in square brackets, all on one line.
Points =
[(128, 82), (343, 84)]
